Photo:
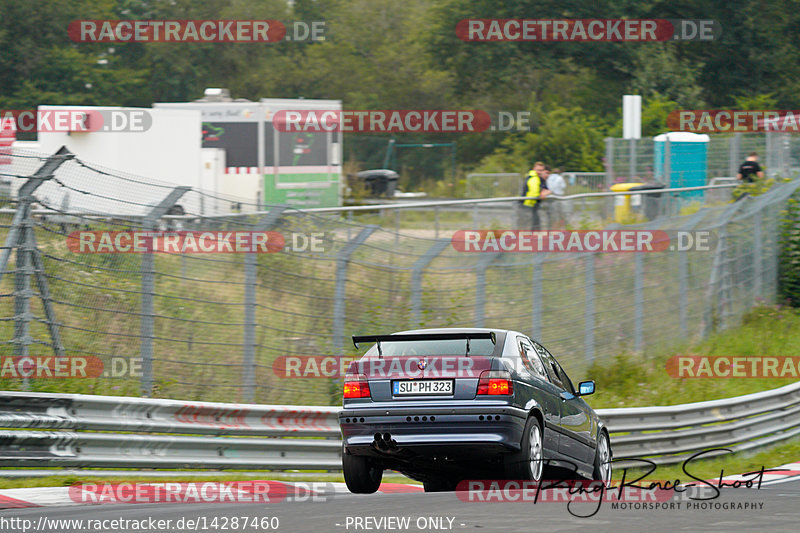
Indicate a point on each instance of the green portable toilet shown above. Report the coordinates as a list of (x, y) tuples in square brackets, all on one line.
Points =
[(688, 160)]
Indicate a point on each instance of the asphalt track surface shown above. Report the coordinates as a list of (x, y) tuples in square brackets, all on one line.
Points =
[(777, 509)]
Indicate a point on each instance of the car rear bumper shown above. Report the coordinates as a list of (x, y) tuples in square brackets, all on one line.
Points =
[(429, 431)]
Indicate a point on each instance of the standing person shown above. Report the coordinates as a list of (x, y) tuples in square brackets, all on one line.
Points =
[(750, 168), (555, 208), (535, 189)]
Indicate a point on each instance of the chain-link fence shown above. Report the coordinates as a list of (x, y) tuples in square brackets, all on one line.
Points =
[(629, 160), (192, 323)]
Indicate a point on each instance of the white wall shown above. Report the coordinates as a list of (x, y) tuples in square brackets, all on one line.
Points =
[(168, 151)]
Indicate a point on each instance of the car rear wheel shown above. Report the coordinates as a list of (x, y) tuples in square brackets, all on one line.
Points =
[(362, 475), (528, 463), (602, 460)]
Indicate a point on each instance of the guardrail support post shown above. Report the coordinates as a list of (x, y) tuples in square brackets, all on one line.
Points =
[(416, 277), (339, 308), (147, 326), (589, 310), (250, 287)]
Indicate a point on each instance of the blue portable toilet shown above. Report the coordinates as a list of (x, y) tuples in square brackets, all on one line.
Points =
[(688, 162)]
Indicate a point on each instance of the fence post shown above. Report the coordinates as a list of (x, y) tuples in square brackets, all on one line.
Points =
[(668, 167), (632, 159), (23, 293), (250, 286), (21, 236), (683, 278), (416, 277), (480, 286), (757, 256), (734, 159), (147, 326), (609, 161), (47, 301), (536, 310), (718, 280), (25, 197), (339, 308), (638, 297), (589, 309)]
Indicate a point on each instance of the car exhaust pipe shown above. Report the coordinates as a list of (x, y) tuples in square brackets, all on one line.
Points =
[(384, 442), (379, 443)]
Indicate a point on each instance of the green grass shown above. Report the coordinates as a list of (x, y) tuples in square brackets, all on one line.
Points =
[(635, 381), (736, 463)]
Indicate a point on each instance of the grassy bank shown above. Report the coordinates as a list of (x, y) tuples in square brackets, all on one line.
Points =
[(634, 381)]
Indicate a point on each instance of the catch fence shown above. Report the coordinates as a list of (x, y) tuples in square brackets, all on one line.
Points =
[(219, 326)]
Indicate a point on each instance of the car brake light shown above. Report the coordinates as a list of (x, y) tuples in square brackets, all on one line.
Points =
[(495, 383), (356, 387)]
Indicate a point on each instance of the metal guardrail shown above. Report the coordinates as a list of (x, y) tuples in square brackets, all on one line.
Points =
[(63, 430), (672, 434)]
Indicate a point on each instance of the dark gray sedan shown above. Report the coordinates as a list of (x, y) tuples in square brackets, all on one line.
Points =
[(443, 405)]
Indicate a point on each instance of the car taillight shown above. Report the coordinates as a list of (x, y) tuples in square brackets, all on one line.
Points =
[(495, 383), (356, 387)]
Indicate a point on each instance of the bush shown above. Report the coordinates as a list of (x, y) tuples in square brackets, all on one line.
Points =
[(789, 256)]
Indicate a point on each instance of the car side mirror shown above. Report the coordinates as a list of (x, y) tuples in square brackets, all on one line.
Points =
[(585, 388)]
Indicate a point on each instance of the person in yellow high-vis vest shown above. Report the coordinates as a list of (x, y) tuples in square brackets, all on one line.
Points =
[(535, 190)]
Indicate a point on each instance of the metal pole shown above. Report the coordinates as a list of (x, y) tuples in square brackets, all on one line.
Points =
[(147, 326), (609, 161), (632, 159), (47, 303), (416, 277), (683, 277), (733, 163), (668, 162), (44, 173), (22, 291), (683, 293), (589, 310), (757, 257), (342, 260), (536, 308), (250, 288), (638, 297), (480, 286)]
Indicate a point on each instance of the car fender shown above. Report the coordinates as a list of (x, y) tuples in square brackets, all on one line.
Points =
[(533, 405), (601, 426)]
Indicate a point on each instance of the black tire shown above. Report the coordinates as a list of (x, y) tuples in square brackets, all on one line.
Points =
[(362, 475), (443, 484), (528, 463), (602, 459)]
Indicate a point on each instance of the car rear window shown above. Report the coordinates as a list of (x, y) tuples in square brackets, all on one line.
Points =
[(482, 347)]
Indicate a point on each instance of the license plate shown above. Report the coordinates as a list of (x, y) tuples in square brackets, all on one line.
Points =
[(427, 386)]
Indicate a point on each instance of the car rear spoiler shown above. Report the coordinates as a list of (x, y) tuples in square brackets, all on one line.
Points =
[(410, 337)]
